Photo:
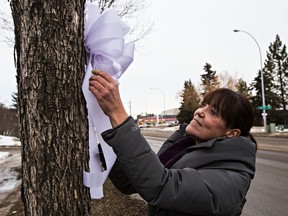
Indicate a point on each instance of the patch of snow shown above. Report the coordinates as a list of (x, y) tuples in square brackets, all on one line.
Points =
[(3, 156), (9, 164), (174, 128), (9, 141), (8, 175), (10, 184)]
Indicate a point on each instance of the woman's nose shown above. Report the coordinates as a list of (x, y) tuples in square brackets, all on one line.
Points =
[(200, 112)]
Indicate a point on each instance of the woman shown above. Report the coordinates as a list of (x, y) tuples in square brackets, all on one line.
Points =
[(204, 168)]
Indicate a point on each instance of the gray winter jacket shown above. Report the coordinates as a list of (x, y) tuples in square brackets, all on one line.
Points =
[(212, 178)]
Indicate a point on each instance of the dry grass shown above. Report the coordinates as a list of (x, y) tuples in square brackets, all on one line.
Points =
[(113, 204)]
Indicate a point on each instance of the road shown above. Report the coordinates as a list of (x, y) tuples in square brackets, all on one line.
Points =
[(268, 194), (273, 143)]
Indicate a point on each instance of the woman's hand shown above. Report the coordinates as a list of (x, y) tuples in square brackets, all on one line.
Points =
[(106, 91)]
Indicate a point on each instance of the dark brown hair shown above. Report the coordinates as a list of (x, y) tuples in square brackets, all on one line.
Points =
[(234, 108)]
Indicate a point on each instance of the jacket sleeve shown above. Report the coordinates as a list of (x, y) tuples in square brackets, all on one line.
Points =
[(185, 190), (117, 175), (120, 180)]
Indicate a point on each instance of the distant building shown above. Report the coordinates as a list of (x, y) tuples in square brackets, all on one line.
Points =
[(171, 112), (167, 117)]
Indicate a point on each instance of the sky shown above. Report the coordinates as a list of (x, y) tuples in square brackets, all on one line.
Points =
[(186, 35)]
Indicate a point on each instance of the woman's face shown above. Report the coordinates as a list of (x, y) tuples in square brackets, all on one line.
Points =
[(206, 124)]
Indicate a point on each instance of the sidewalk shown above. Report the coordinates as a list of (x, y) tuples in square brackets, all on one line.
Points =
[(258, 134), (259, 131), (255, 131), (276, 134)]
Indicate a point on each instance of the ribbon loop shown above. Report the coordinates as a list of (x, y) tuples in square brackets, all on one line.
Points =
[(104, 39)]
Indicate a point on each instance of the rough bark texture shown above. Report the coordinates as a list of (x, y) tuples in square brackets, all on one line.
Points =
[(50, 68)]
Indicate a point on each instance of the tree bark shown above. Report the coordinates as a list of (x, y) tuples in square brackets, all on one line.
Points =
[(53, 117)]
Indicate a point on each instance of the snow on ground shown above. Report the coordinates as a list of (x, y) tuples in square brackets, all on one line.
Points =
[(10, 165), (3, 156), (9, 141)]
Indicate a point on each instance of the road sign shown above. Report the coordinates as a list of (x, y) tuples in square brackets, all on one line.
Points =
[(268, 107)]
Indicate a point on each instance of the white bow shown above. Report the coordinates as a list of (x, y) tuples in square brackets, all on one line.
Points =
[(106, 51)]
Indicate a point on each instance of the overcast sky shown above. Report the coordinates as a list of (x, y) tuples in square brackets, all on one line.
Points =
[(187, 34)]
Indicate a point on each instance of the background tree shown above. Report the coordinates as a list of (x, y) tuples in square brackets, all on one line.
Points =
[(190, 102), (130, 11), (226, 80), (8, 121), (50, 66), (276, 64), (243, 88), (6, 27), (270, 98), (209, 79)]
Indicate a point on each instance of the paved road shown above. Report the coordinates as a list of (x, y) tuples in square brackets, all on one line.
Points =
[(273, 143), (268, 194)]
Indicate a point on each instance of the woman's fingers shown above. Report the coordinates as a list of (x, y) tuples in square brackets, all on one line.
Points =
[(100, 73), (97, 82), (106, 91), (102, 85)]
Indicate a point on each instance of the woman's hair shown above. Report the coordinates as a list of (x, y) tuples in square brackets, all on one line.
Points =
[(234, 108)]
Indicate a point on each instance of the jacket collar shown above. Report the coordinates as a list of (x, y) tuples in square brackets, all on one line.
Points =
[(207, 144)]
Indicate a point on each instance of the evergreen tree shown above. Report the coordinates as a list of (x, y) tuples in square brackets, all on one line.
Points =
[(209, 79), (276, 64), (270, 97), (242, 87), (190, 102)]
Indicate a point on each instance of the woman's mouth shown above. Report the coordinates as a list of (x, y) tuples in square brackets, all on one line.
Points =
[(197, 122)]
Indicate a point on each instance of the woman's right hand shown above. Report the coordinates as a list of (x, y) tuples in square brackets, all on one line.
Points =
[(106, 91)]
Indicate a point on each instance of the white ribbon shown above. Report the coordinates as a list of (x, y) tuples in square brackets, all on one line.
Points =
[(106, 51)]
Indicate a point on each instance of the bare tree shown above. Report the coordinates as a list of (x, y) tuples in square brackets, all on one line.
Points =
[(8, 121), (6, 25), (129, 10), (226, 80), (53, 118)]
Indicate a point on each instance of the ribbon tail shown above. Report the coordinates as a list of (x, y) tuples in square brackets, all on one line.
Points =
[(96, 177)]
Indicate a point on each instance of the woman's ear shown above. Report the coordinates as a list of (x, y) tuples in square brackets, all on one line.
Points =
[(233, 133)]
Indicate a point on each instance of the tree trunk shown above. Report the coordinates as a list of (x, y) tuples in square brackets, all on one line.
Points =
[(52, 112)]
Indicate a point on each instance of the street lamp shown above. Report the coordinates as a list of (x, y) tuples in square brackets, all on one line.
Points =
[(264, 114), (163, 101)]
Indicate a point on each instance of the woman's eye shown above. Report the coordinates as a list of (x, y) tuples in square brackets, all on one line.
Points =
[(213, 112)]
